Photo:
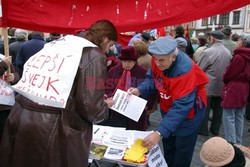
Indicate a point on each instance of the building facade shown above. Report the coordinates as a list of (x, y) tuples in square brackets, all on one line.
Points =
[(238, 19)]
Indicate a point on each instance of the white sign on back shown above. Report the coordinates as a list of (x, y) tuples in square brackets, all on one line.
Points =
[(48, 75)]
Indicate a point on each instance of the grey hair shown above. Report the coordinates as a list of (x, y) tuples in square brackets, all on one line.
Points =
[(175, 52), (245, 37)]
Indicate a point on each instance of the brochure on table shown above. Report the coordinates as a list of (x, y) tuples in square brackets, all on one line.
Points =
[(117, 140)]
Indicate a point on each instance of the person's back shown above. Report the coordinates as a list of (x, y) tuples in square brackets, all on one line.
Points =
[(21, 37), (28, 49), (227, 42), (181, 44), (57, 137), (214, 61), (179, 30)]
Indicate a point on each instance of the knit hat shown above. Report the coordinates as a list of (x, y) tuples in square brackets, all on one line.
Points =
[(227, 30), (21, 34), (217, 35), (217, 152), (163, 46), (128, 53)]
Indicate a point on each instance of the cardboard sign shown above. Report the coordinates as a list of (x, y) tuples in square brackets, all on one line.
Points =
[(156, 158), (48, 75), (7, 96)]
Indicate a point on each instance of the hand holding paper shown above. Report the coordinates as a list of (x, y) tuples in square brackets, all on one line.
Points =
[(110, 102), (151, 140), (130, 106), (133, 91)]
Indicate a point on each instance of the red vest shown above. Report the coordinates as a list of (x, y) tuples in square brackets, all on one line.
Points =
[(174, 88)]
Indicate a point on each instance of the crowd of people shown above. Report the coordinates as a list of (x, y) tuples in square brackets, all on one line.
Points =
[(185, 79)]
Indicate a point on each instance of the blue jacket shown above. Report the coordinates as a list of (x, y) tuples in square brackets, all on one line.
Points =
[(28, 49), (175, 120)]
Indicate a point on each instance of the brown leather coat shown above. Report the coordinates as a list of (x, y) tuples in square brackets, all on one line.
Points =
[(42, 136)]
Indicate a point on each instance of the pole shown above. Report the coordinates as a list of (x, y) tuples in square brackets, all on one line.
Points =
[(6, 44)]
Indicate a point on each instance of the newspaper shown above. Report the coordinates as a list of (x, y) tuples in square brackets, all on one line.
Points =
[(130, 106)]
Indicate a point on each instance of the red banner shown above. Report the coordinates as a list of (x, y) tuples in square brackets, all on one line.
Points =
[(69, 16)]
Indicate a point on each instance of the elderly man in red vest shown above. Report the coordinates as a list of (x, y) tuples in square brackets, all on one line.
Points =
[(181, 86)]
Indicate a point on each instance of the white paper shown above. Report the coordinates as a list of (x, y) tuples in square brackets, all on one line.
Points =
[(135, 134), (99, 132), (48, 75), (109, 62), (7, 96), (120, 138), (156, 158), (130, 106), (114, 152)]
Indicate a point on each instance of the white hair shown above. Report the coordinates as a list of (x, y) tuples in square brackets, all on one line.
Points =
[(174, 53), (21, 34)]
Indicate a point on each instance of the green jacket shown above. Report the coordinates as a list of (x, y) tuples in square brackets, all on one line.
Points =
[(229, 44)]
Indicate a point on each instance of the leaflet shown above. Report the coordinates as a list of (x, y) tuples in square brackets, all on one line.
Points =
[(99, 132), (115, 152), (120, 138), (130, 106)]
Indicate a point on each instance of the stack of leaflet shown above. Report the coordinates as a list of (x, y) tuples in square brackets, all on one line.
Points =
[(136, 153)]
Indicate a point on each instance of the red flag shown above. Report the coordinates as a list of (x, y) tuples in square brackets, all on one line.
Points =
[(187, 33), (161, 32), (69, 17)]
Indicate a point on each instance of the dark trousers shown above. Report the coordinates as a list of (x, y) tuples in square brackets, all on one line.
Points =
[(178, 150), (3, 117), (213, 103)]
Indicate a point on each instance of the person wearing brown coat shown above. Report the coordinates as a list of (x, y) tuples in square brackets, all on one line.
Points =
[(42, 136)]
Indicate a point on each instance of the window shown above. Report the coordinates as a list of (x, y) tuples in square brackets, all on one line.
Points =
[(224, 19), (204, 22), (236, 17), (213, 19)]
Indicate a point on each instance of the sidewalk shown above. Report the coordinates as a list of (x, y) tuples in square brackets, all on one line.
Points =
[(155, 119)]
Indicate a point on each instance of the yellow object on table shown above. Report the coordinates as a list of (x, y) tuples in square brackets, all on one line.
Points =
[(136, 153)]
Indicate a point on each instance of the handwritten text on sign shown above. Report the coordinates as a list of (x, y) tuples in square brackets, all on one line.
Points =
[(49, 74)]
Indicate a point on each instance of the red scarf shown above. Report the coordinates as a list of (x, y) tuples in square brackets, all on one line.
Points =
[(124, 82)]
